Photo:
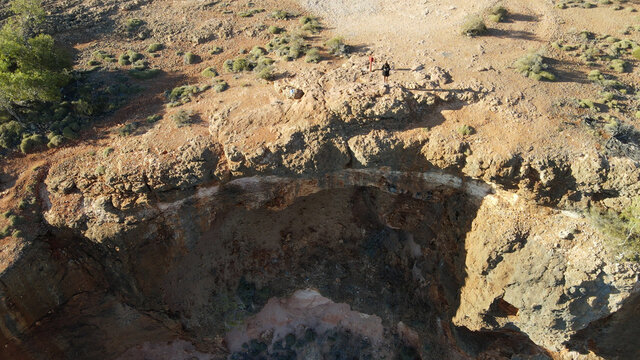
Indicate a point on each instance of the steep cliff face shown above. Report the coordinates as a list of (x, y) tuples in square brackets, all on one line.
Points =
[(450, 267)]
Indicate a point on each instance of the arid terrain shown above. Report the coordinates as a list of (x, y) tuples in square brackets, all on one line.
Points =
[(229, 180)]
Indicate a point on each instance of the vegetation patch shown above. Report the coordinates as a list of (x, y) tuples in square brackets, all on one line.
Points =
[(144, 74), (54, 140), (288, 46), (155, 47), (128, 129), (497, 13), (474, 26), (622, 229), (32, 67), (533, 66), (275, 29), (313, 56), (337, 47), (619, 65), (183, 94), (182, 118), (190, 58), (153, 118), (466, 130), (310, 24), (209, 72), (250, 13), (129, 57), (133, 24), (29, 143), (216, 50), (265, 73), (281, 15), (220, 86), (104, 56)]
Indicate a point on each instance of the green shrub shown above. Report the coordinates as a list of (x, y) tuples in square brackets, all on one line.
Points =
[(280, 15), (100, 170), (14, 220), (140, 65), (123, 60), (474, 26), (55, 141), (336, 46), (216, 50), (107, 151), (28, 144), (618, 65), (144, 74), (533, 66), (257, 51), (497, 13), (220, 86), (23, 204), (133, 24), (313, 56), (240, 64), (155, 47), (288, 46), (69, 133), (264, 61), (265, 73), (313, 26), (466, 130), (153, 118), (310, 24), (190, 58), (134, 56), (297, 49), (182, 93), (128, 129), (182, 118), (103, 56), (129, 57), (32, 66), (275, 29), (250, 13), (588, 104), (209, 72), (18, 234), (10, 134), (227, 66), (93, 62), (623, 229), (636, 53)]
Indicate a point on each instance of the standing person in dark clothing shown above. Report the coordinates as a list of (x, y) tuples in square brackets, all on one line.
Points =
[(386, 69)]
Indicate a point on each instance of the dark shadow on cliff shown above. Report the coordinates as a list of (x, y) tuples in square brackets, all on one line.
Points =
[(613, 337), (503, 344)]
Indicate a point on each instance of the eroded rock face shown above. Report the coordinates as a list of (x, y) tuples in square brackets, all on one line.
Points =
[(548, 279), (424, 252)]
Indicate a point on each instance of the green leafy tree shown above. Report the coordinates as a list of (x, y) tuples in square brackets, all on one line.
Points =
[(32, 67)]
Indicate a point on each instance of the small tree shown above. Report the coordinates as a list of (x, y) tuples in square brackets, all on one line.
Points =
[(32, 67)]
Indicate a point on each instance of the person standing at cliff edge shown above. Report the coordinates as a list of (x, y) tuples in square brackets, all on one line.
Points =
[(386, 69)]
